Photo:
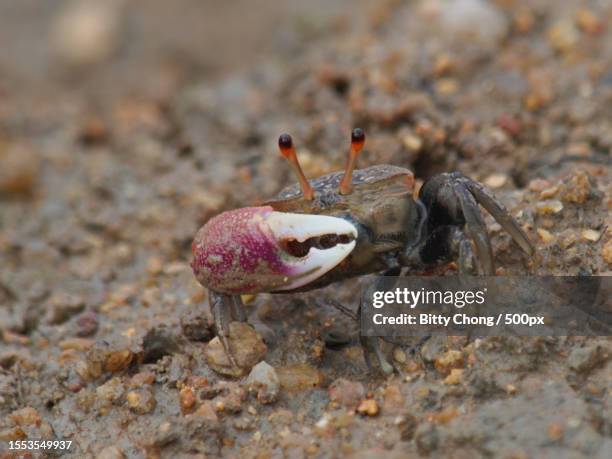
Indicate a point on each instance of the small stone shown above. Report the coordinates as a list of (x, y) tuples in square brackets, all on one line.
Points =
[(455, 376), (589, 22), (549, 193), (27, 416), (187, 399), (591, 235), (447, 86), (141, 401), (19, 171), (606, 252), (118, 360), (86, 32), (549, 207), (110, 452), (412, 142), (346, 393), (563, 36), (77, 344), (478, 20), (449, 360), (207, 412), (111, 391), (87, 324), (144, 378), (496, 180), (545, 235), (538, 185), (368, 407), (246, 345), (399, 355), (523, 21), (555, 431), (264, 381), (300, 377), (578, 189)]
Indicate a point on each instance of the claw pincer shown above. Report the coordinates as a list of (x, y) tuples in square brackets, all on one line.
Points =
[(248, 250)]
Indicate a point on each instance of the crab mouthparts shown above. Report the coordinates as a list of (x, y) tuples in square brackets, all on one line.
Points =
[(312, 244)]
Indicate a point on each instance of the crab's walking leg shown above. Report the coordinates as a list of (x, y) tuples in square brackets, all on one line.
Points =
[(499, 212), (452, 207), (237, 309), (221, 306)]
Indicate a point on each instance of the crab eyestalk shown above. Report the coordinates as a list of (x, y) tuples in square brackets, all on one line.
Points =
[(357, 142), (285, 144), (256, 249)]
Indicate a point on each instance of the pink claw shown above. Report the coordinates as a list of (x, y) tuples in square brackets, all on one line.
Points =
[(249, 250)]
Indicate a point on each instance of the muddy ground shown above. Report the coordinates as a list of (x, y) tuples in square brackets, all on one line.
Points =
[(122, 134)]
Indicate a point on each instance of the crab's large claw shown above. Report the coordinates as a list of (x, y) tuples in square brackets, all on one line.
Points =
[(257, 249)]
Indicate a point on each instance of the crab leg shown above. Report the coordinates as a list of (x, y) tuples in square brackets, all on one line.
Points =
[(501, 215), (476, 229), (221, 307)]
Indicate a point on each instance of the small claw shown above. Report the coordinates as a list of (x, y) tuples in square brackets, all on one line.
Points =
[(257, 249)]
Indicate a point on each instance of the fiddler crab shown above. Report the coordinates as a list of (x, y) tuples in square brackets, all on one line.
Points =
[(343, 225)]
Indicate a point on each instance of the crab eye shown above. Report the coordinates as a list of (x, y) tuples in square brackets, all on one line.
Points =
[(285, 144), (357, 136), (357, 142)]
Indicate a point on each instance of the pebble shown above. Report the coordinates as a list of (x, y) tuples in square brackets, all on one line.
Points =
[(118, 360), (111, 452), (578, 189), (368, 407), (207, 412), (545, 235), (496, 180), (591, 235), (455, 376), (300, 377), (141, 401), (264, 382), (449, 360), (399, 355), (111, 391), (247, 346), (19, 171), (555, 431), (563, 36), (87, 32), (549, 207), (479, 20), (87, 324), (346, 393), (27, 416), (588, 22), (187, 399), (412, 142)]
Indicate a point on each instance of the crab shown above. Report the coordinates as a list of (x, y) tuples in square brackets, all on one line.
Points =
[(342, 225)]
